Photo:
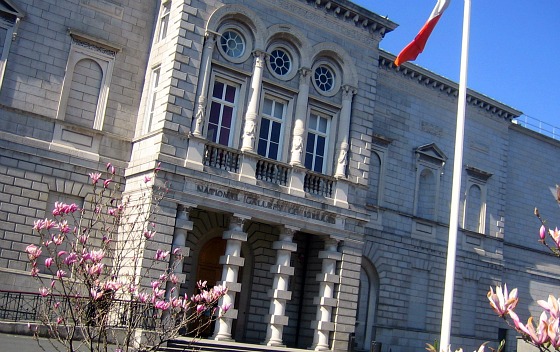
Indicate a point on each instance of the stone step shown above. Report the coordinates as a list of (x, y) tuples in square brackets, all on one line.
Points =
[(188, 345)]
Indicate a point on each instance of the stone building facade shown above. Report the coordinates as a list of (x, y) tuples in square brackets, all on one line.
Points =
[(305, 171)]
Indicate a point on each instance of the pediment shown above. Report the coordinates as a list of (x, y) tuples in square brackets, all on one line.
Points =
[(431, 152), (7, 7)]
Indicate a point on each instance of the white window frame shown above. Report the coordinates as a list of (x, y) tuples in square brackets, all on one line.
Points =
[(163, 23), (326, 167), (85, 47), (233, 141), (155, 77)]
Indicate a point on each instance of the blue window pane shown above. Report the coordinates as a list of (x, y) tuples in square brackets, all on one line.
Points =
[(320, 146), (265, 124), (214, 113), (318, 164), (267, 107), (278, 110), (273, 151), (224, 136), (313, 121), (322, 125), (212, 135), (218, 90), (310, 147), (261, 148), (308, 160), (230, 94), (275, 133), (227, 116)]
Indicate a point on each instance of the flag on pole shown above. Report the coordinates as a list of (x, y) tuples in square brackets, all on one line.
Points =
[(416, 46)]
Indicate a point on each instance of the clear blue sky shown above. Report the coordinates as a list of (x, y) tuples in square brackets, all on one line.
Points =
[(513, 48)]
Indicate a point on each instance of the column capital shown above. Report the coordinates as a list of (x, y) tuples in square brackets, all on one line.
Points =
[(304, 75), (348, 92)]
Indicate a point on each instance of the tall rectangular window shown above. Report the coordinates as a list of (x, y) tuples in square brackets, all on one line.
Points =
[(222, 113), (152, 98), (317, 142), (271, 130), (164, 20)]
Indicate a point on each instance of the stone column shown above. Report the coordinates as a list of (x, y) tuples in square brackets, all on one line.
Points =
[(204, 79), (279, 294), (344, 131), (323, 325), (253, 104), (182, 226), (231, 262), (301, 115), (344, 316)]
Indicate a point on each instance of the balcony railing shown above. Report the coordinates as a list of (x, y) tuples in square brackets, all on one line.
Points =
[(272, 171), (318, 184), (222, 157), (32, 307)]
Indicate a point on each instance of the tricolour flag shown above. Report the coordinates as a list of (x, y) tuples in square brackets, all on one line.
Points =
[(416, 46)]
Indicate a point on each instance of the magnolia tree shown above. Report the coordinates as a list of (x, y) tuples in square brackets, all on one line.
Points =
[(101, 288), (543, 334)]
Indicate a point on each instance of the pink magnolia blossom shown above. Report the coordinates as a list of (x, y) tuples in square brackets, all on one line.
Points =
[(107, 182), (554, 333), (161, 254), (162, 305), (46, 224), (63, 226), (83, 238), (149, 234), (44, 292), (550, 306), (542, 233), (61, 208), (95, 176), (48, 262), (225, 307), (110, 168), (59, 320), (143, 297), (96, 293), (555, 234), (155, 284), (538, 335), (174, 279), (95, 270), (60, 274), (34, 271), (58, 239), (112, 285), (33, 252), (178, 252), (502, 301), (147, 179), (71, 258)]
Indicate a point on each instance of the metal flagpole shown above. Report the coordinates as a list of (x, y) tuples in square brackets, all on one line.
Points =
[(456, 188)]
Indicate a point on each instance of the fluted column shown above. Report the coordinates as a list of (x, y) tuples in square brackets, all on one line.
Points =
[(301, 115), (231, 262), (279, 294), (253, 104), (323, 325), (202, 89), (344, 131)]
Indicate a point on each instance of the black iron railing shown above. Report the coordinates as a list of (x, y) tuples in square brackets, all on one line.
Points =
[(32, 307)]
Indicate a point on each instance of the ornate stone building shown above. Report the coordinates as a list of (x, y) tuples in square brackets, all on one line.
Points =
[(305, 171)]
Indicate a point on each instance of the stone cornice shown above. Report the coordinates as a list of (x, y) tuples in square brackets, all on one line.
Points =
[(436, 82), (350, 12)]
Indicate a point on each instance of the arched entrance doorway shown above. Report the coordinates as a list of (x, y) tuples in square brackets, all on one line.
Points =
[(367, 306), (209, 269)]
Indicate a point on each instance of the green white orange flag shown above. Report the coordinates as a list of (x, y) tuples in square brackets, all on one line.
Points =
[(416, 46)]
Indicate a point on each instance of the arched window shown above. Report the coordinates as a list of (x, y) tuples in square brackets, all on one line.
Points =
[(473, 209), (426, 205), (85, 89), (367, 306), (374, 179)]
